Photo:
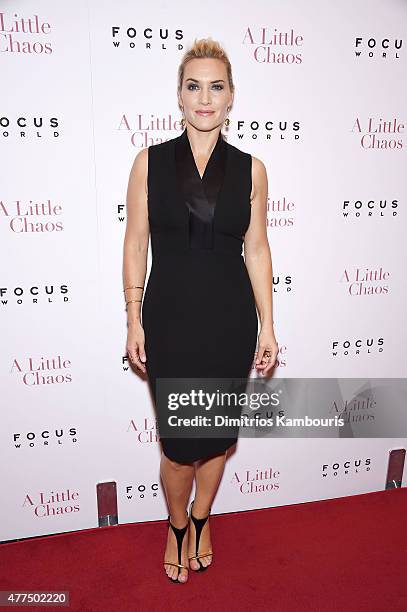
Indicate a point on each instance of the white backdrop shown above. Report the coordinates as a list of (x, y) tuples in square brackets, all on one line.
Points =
[(321, 99)]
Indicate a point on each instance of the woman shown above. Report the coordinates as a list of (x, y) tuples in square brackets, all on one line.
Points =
[(205, 199)]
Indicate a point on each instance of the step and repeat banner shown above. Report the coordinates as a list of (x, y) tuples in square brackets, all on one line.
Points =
[(321, 99)]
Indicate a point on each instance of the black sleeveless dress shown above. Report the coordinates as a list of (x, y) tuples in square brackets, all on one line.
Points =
[(198, 314)]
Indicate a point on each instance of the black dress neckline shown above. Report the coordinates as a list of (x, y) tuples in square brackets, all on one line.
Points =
[(201, 195)]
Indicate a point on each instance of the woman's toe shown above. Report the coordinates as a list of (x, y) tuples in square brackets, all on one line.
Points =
[(183, 577), (168, 571), (171, 573)]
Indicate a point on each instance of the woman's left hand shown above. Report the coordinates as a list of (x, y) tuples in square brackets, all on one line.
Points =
[(267, 350)]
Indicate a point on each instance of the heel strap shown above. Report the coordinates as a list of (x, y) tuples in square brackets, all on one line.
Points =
[(199, 523)]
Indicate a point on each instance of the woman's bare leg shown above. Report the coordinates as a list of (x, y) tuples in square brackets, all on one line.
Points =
[(177, 480), (208, 473)]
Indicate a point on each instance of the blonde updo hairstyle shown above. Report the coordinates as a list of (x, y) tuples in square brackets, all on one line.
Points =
[(205, 47)]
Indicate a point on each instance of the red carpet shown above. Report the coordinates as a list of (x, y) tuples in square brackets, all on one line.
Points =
[(347, 554)]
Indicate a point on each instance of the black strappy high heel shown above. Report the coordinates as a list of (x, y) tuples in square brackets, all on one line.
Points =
[(179, 534), (199, 524)]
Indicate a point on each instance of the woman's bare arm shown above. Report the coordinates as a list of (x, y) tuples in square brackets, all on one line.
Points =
[(258, 262), (135, 250)]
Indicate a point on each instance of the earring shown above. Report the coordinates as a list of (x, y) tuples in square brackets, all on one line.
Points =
[(227, 120), (183, 119)]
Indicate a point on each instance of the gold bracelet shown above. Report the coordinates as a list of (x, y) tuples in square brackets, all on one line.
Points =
[(133, 287), (132, 301)]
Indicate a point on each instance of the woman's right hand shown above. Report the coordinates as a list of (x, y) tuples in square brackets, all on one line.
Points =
[(135, 345)]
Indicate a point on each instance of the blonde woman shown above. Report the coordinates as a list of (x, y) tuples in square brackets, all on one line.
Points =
[(200, 199)]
